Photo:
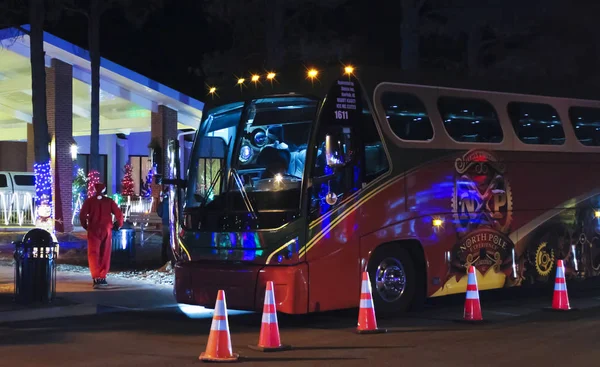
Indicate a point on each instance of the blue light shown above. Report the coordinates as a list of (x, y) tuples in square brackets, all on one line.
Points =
[(245, 154), (43, 183)]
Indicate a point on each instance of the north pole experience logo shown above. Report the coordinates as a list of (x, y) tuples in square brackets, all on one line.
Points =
[(482, 196), (483, 248), (482, 205)]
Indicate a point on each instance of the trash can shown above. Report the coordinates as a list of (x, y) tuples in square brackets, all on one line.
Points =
[(35, 267), (123, 245)]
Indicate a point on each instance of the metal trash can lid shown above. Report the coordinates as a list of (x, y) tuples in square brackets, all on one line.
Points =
[(39, 237)]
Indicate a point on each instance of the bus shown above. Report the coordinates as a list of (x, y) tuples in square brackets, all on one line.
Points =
[(312, 182)]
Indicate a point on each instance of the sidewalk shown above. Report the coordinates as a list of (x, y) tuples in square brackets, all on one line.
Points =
[(75, 297)]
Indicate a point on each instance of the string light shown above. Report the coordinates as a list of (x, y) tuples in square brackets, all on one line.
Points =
[(312, 73), (271, 75), (43, 196), (43, 183), (93, 179), (147, 188), (255, 78), (349, 70)]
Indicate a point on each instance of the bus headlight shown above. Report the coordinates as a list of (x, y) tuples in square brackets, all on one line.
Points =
[(285, 254)]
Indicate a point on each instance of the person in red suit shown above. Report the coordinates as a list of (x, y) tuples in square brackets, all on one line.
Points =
[(96, 219)]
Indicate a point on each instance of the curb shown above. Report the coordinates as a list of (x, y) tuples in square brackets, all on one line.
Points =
[(70, 311), (48, 313)]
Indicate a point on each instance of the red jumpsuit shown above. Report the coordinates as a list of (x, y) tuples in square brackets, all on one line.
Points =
[(96, 219)]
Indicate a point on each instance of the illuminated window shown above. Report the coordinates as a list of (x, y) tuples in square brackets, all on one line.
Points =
[(536, 123), (586, 123), (470, 120), (141, 166), (83, 162), (407, 116)]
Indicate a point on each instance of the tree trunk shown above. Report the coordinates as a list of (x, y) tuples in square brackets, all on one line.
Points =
[(41, 137), (409, 33), (473, 49), (274, 34), (94, 48)]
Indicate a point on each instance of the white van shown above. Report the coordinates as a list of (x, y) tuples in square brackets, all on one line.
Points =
[(17, 182)]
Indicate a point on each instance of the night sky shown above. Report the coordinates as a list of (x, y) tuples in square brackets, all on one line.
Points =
[(532, 41)]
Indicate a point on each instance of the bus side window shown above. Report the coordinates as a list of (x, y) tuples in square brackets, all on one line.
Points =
[(376, 161)]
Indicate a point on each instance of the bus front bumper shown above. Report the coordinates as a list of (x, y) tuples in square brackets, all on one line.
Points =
[(197, 283)]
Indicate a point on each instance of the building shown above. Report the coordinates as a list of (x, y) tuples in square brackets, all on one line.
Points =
[(134, 111)]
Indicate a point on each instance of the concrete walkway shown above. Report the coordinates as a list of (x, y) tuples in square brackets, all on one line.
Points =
[(76, 297)]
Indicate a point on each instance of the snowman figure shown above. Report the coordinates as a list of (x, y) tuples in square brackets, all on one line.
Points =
[(44, 216)]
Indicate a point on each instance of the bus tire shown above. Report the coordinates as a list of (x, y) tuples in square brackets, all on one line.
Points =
[(393, 280)]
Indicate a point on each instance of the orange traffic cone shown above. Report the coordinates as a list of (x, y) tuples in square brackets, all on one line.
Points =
[(218, 348), (560, 301), (367, 323), (269, 340), (472, 306)]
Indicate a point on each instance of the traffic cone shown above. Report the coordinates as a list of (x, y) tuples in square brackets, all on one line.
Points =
[(472, 306), (218, 348), (560, 301), (269, 340), (367, 323)]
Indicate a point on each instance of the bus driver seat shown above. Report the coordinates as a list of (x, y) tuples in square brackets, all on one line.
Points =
[(297, 161)]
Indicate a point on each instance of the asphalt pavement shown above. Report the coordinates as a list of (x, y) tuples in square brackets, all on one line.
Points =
[(518, 332)]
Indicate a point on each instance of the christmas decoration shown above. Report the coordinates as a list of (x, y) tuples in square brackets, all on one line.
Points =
[(127, 182), (93, 179), (146, 190), (43, 196), (117, 198), (79, 185)]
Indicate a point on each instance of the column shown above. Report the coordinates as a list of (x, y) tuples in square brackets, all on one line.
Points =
[(30, 148), (59, 95), (163, 128), (122, 159)]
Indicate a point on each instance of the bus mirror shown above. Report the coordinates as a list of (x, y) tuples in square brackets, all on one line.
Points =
[(338, 147)]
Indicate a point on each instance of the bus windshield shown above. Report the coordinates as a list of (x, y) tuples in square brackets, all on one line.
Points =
[(250, 157)]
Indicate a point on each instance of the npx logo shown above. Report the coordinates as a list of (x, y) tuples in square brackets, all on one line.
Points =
[(482, 196), (482, 206)]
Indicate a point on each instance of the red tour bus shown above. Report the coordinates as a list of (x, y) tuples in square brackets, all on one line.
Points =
[(344, 172)]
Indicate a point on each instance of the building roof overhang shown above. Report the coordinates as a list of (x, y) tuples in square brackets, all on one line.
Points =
[(127, 98)]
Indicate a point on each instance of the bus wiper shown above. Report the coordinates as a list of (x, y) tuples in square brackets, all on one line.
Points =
[(211, 187), (240, 185)]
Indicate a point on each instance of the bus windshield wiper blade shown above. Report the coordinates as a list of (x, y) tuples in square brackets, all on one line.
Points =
[(212, 186), (240, 185)]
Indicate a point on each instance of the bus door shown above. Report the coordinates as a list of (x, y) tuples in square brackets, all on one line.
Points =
[(336, 174)]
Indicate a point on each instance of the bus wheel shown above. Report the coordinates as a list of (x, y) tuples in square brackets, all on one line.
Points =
[(393, 279)]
